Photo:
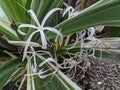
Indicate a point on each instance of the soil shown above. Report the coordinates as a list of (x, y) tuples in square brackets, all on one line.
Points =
[(104, 75)]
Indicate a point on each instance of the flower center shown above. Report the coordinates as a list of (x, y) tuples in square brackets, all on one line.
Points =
[(40, 28)]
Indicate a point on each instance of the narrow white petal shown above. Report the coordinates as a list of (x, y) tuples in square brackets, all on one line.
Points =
[(74, 13), (34, 17), (53, 30), (21, 83), (34, 60), (27, 44), (21, 32), (46, 75), (41, 51), (40, 56), (42, 76), (68, 10), (66, 4), (92, 30), (48, 15), (28, 25), (25, 25), (42, 72), (47, 60), (43, 39), (72, 10)]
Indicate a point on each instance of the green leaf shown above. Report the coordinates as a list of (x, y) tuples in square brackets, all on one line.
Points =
[(57, 82), (28, 4), (111, 54), (49, 84), (4, 45), (104, 12), (5, 27), (14, 11), (7, 31), (45, 6), (72, 85), (3, 55), (7, 69), (114, 32), (112, 50)]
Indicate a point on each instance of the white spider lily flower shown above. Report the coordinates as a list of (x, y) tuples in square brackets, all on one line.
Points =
[(91, 33), (41, 27), (70, 10), (93, 40)]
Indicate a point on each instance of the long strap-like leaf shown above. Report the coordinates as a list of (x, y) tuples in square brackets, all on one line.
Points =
[(105, 12), (6, 70)]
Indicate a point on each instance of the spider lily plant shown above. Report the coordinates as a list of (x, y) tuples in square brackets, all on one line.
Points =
[(33, 41)]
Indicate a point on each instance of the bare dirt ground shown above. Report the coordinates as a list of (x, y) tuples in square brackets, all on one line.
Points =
[(104, 75)]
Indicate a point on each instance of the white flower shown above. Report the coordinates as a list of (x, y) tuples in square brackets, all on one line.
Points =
[(70, 10), (39, 28), (91, 33)]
